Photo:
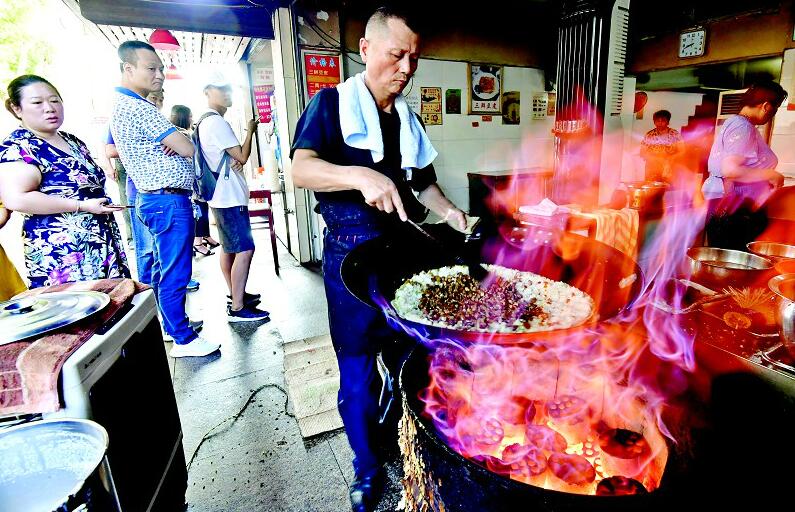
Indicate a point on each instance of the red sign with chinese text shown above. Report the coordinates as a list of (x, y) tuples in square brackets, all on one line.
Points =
[(322, 71), (262, 97)]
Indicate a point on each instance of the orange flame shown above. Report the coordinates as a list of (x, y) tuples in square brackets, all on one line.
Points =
[(573, 409)]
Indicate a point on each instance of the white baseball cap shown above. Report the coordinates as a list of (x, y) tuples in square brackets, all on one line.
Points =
[(217, 80)]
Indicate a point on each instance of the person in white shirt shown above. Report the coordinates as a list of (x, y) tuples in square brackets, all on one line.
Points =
[(230, 199)]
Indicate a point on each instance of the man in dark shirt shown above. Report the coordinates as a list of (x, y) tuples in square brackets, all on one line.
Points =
[(360, 197)]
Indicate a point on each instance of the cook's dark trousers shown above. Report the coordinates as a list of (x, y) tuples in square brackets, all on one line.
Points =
[(358, 333), (735, 220)]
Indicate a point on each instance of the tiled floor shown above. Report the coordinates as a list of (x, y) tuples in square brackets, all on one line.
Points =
[(247, 453)]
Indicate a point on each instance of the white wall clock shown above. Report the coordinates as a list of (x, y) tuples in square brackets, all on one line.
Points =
[(692, 43)]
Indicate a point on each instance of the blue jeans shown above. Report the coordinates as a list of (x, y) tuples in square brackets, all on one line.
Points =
[(358, 333), (144, 245), (169, 220)]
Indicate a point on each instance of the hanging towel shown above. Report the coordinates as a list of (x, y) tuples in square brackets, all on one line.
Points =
[(362, 130), (617, 228)]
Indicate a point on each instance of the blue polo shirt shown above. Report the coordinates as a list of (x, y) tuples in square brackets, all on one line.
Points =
[(138, 129)]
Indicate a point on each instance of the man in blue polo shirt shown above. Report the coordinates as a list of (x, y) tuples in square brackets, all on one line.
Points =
[(165, 184)]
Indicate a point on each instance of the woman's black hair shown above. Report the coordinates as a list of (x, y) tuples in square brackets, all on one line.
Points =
[(180, 116), (15, 90), (765, 91)]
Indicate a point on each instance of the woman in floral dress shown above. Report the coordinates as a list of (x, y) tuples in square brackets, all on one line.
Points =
[(49, 176)]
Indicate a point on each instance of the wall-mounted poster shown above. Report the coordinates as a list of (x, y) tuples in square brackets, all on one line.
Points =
[(552, 101), (431, 105), (452, 101), (510, 107), (321, 70), (485, 89)]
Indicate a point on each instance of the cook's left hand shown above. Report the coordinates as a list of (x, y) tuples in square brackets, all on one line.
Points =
[(235, 165), (456, 218), (168, 151), (252, 125)]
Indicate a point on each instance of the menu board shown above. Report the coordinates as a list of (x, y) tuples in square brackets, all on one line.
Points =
[(322, 70)]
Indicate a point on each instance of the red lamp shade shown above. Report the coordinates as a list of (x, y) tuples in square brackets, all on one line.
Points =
[(162, 39), (172, 73)]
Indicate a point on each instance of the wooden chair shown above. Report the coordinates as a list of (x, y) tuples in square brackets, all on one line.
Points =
[(264, 210)]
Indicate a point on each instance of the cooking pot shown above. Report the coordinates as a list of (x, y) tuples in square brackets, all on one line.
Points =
[(774, 251), (55, 465), (726, 267), (784, 288), (645, 196)]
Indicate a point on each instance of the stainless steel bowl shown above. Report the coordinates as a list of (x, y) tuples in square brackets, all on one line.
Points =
[(726, 267), (774, 251), (784, 288)]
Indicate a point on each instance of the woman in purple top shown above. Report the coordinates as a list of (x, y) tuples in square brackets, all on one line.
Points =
[(742, 171), (49, 176)]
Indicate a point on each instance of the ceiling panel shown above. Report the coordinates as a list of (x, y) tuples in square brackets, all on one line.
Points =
[(195, 47)]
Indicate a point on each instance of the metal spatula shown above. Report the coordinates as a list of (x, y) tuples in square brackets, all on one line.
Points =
[(476, 270)]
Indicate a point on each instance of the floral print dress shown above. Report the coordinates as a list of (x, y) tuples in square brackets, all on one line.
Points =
[(66, 247)]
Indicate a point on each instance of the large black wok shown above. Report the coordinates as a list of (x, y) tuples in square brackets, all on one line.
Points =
[(375, 269)]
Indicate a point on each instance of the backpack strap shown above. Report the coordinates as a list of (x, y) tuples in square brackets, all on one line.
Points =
[(197, 142)]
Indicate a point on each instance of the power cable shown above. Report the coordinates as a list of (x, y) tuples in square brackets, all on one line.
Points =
[(210, 433)]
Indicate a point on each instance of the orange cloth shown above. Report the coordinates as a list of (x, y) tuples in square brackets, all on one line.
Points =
[(616, 228)]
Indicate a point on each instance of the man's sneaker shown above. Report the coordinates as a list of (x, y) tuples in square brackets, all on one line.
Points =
[(193, 285), (196, 325), (246, 314), (249, 299), (197, 348)]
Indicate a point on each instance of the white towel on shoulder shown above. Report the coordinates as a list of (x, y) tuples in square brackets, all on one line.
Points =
[(361, 128)]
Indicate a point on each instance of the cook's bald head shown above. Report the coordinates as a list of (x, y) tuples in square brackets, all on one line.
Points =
[(377, 23)]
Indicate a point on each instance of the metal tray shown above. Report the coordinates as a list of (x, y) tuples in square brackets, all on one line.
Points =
[(27, 317)]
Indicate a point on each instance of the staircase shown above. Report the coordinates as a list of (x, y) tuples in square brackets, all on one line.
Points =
[(699, 133)]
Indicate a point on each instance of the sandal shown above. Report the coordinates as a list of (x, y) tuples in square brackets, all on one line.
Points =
[(201, 249), (209, 243)]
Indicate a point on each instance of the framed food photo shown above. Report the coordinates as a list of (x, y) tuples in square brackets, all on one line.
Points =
[(485, 89)]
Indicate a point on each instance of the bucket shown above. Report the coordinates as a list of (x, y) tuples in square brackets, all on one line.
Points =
[(54, 465)]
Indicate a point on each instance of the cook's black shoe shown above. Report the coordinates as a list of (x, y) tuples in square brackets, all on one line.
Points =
[(365, 492)]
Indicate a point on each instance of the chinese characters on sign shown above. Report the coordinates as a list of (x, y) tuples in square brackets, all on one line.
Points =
[(262, 97), (540, 105), (485, 89), (431, 105), (322, 71), (263, 75)]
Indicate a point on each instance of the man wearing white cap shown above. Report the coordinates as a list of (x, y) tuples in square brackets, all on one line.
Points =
[(220, 149)]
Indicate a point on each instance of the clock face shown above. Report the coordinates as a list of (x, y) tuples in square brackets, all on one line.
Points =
[(692, 44)]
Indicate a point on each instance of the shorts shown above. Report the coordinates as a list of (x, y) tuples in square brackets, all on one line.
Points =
[(234, 229)]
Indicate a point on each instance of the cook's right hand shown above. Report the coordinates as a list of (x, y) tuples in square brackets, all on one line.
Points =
[(98, 206), (380, 192), (777, 180)]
